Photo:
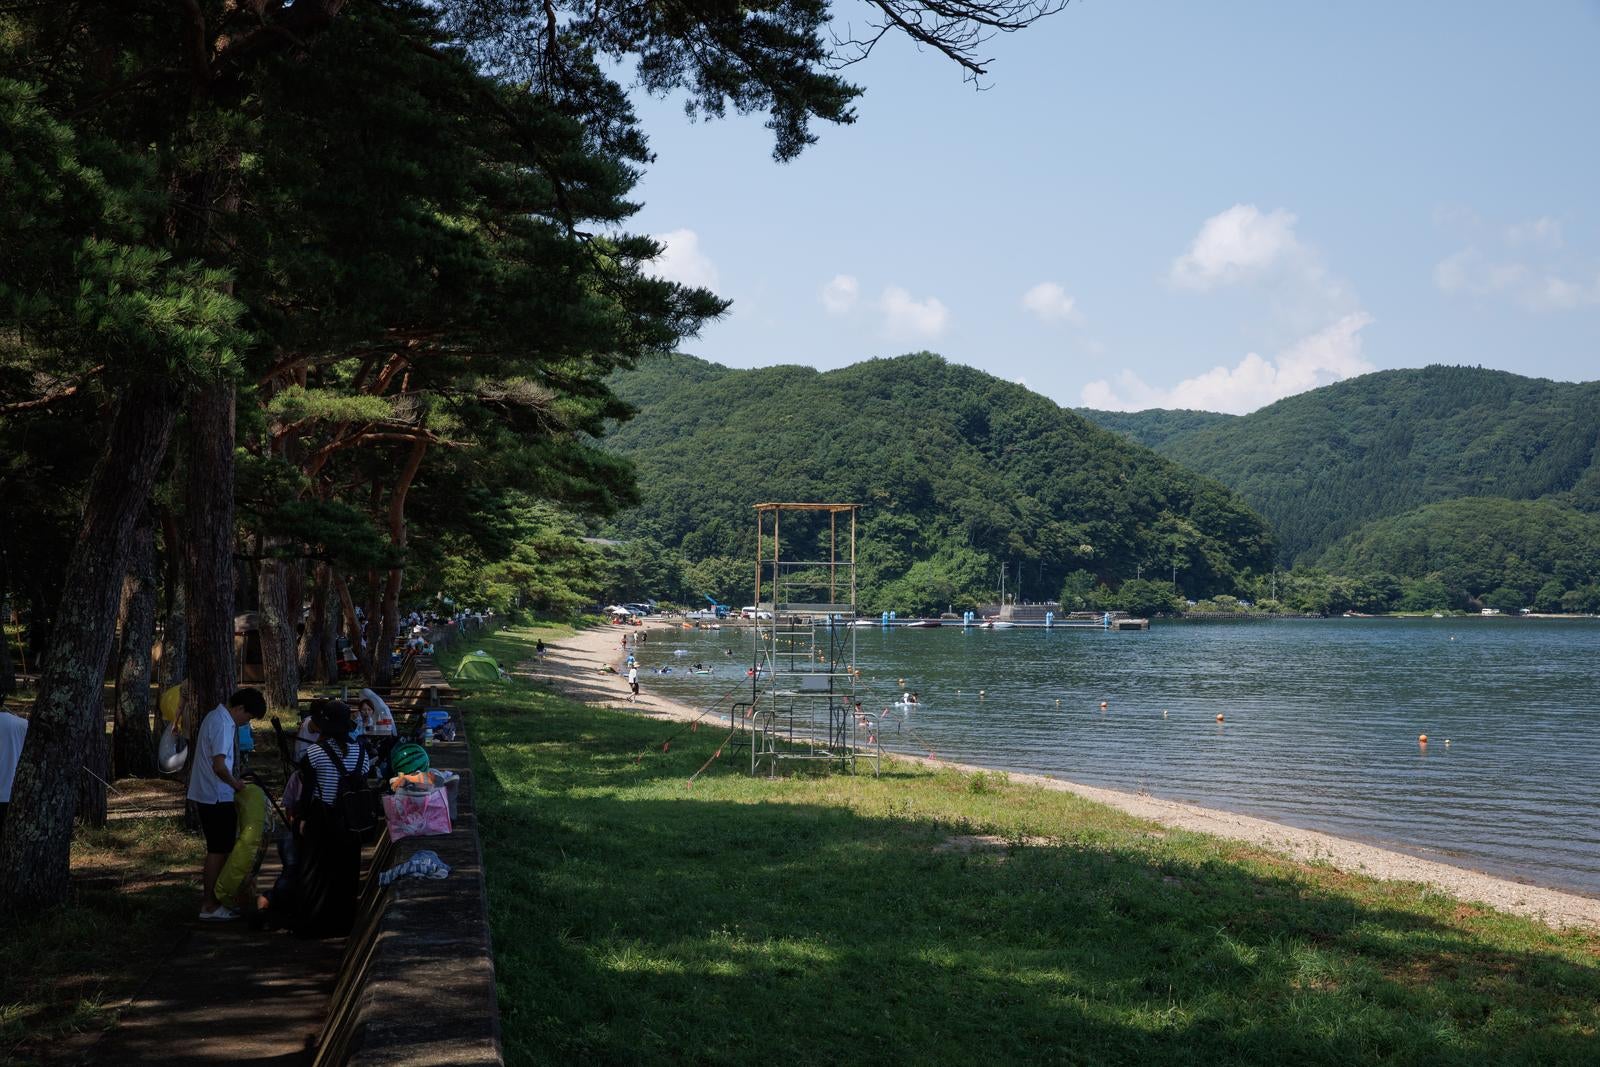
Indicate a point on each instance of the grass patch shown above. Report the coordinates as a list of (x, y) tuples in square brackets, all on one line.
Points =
[(66, 972), (937, 917)]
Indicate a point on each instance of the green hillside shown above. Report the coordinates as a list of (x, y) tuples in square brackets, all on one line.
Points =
[(1504, 553), (958, 471), (1155, 427), (1319, 465)]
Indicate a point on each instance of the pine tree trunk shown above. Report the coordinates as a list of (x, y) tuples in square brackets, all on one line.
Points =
[(390, 629), (317, 642), (328, 641), (94, 776), (133, 745), (35, 848), (280, 666), (208, 548), (357, 641), (8, 674), (175, 631)]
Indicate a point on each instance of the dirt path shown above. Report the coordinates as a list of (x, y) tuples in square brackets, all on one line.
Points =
[(576, 666), (218, 992)]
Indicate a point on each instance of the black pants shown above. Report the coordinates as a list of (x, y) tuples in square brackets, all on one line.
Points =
[(3, 808), (329, 874)]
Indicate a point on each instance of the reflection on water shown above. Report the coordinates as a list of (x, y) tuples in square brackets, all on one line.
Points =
[(1322, 721)]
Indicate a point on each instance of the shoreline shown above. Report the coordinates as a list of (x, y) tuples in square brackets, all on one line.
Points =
[(574, 665)]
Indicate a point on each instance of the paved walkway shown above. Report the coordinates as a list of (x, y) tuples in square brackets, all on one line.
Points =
[(223, 993)]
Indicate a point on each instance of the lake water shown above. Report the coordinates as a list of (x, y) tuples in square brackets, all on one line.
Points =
[(1322, 719)]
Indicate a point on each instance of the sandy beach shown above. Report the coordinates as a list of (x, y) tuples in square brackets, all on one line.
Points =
[(575, 666)]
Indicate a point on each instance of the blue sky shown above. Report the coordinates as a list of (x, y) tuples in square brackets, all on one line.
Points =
[(1171, 204)]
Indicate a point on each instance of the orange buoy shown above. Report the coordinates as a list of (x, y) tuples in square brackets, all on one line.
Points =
[(1422, 739), (1219, 716)]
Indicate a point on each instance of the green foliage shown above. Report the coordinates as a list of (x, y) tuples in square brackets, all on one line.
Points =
[(1155, 427), (84, 277), (1082, 592), (1319, 465), (1144, 598), (1537, 548), (958, 473)]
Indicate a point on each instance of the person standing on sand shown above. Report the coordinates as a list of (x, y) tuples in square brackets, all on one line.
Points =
[(633, 683)]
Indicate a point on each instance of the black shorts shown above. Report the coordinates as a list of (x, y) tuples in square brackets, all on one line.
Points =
[(635, 687), (221, 826)]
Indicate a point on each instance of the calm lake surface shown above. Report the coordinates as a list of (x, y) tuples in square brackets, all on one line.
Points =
[(1321, 730)]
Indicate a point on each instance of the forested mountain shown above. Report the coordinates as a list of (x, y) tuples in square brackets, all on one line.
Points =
[(1155, 427), (1503, 553), (1321, 464), (958, 471)]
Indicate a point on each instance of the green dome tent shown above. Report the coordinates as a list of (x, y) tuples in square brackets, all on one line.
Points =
[(478, 666)]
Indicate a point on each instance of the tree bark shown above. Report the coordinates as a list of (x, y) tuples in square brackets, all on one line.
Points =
[(35, 847), (94, 777), (317, 651), (280, 666), (133, 745), (175, 630), (207, 529), (8, 673), (390, 629), (357, 641)]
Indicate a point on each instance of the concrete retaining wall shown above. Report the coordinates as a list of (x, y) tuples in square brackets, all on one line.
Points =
[(417, 982)]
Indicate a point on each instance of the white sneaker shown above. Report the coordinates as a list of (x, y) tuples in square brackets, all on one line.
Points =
[(221, 915)]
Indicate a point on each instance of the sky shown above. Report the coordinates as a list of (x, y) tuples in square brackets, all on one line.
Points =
[(1165, 204)]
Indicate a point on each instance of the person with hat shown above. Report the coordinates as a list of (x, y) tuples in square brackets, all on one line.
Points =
[(331, 865)]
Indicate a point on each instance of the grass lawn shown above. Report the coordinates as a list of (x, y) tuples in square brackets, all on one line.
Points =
[(64, 974), (938, 917)]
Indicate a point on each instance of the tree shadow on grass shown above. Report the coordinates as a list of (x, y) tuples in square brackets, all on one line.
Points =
[(633, 927)]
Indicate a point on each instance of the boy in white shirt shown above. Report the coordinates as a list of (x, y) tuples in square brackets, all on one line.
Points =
[(212, 782), (13, 730)]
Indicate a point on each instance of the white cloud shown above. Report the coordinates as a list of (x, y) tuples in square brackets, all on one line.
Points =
[(1536, 288), (1327, 356), (1237, 245), (1051, 303), (840, 295), (1542, 232), (682, 261), (905, 317)]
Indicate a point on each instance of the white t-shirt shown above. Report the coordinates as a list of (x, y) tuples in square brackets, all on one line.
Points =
[(633, 675), (13, 728), (218, 737)]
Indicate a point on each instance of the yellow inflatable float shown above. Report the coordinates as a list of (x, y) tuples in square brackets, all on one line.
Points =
[(250, 807)]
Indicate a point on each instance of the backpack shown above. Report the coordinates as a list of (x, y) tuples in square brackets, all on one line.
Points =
[(356, 806)]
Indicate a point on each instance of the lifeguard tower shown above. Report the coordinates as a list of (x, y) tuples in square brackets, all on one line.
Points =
[(803, 691)]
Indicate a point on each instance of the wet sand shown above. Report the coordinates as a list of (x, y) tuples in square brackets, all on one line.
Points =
[(575, 665)]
